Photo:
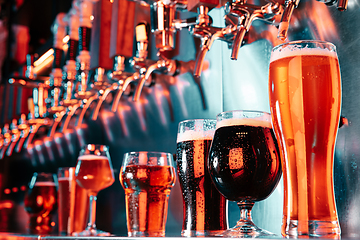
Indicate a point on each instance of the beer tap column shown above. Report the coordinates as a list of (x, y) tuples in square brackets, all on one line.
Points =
[(59, 30)]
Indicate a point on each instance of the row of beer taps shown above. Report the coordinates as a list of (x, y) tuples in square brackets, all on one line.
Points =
[(68, 92)]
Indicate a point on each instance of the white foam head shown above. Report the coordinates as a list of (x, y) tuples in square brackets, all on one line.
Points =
[(90, 157), (195, 135), (292, 51), (255, 122), (44, 184)]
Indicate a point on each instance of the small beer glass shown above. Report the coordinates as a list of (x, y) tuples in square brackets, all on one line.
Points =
[(94, 172), (204, 208), (41, 202), (305, 102), (244, 165), (147, 178)]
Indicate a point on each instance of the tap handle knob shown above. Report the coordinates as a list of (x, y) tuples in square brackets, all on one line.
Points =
[(141, 32), (122, 28), (290, 5)]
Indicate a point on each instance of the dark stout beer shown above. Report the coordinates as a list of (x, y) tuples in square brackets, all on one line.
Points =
[(204, 207), (244, 160)]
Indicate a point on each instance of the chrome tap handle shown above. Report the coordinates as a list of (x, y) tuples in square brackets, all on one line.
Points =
[(290, 5)]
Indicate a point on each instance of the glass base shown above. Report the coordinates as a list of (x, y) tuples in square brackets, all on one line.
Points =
[(312, 228), (91, 232), (246, 229), (146, 234), (201, 233)]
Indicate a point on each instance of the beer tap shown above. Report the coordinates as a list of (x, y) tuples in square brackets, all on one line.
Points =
[(82, 62), (24, 129), (57, 111), (6, 139), (246, 14), (15, 137)]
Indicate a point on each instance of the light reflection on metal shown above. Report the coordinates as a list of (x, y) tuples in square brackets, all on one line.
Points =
[(122, 112)]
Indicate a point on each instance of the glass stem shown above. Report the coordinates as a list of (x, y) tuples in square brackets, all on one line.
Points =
[(245, 207), (92, 212)]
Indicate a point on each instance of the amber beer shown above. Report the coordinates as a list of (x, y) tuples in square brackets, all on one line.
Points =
[(41, 203), (147, 189), (73, 203), (305, 100), (204, 208), (94, 173)]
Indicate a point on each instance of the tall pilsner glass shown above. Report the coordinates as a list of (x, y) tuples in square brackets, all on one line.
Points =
[(305, 100)]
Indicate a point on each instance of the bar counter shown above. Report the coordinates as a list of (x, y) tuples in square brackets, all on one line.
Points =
[(17, 236)]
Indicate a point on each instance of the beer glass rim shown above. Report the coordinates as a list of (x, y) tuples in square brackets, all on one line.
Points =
[(297, 42), (244, 111), (134, 153), (89, 146), (197, 119)]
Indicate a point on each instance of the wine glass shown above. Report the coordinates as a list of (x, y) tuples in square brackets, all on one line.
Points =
[(94, 172), (244, 165), (41, 202), (147, 178)]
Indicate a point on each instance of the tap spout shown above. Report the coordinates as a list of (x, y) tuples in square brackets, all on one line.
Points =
[(122, 88), (208, 35), (285, 19), (101, 100), (85, 106), (71, 110)]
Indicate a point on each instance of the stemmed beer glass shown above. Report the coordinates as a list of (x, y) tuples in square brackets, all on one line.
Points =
[(244, 165), (94, 172)]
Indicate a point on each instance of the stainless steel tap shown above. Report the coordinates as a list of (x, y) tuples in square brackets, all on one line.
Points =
[(6, 135), (15, 137), (246, 14)]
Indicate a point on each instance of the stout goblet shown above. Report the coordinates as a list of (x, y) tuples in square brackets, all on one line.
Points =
[(94, 172), (244, 164)]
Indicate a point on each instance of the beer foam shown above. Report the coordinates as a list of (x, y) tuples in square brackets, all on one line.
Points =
[(90, 157), (44, 184), (195, 135), (243, 121), (295, 51)]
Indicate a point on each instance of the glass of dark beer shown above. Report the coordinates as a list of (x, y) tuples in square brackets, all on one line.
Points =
[(244, 165), (147, 178), (94, 172), (204, 208), (305, 101), (41, 202)]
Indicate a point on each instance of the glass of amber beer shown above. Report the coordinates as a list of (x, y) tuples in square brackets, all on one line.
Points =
[(305, 101), (41, 202), (147, 178), (204, 208), (94, 172), (244, 164)]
